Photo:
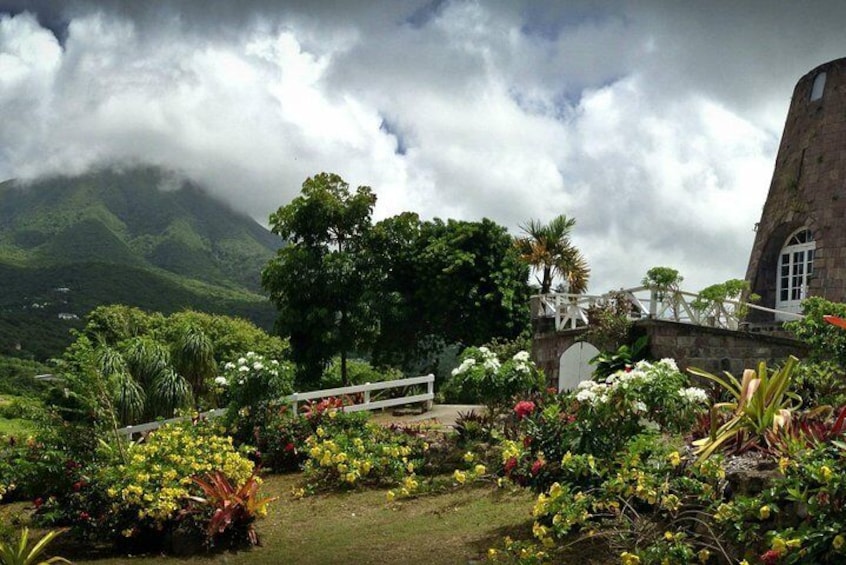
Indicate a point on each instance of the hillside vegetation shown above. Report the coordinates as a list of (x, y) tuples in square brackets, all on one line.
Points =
[(68, 244)]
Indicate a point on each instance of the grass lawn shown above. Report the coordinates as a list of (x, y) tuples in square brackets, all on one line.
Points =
[(360, 527)]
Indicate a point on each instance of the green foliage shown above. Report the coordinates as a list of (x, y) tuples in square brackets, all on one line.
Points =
[(359, 372), (343, 456), (482, 377), (16, 377), (609, 326), (609, 362), (762, 401), (548, 248), (732, 289), (441, 283), (662, 278), (21, 554), (828, 342), (254, 387), (148, 492), (315, 281), (820, 383)]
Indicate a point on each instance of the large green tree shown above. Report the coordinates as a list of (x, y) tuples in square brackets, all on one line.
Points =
[(317, 281), (444, 282), (549, 249)]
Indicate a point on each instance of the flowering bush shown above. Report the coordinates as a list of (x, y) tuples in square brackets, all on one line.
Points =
[(253, 386), (481, 376), (147, 495), (344, 457)]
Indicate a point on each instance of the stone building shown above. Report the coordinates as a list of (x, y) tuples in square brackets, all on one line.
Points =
[(800, 245)]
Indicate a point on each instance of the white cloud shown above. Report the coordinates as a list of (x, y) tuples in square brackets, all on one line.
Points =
[(654, 124)]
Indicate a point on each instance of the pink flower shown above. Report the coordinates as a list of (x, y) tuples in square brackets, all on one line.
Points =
[(510, 464), (536, 467), (524, 408)]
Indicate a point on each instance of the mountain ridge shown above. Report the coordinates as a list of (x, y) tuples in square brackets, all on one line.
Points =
[(115, 236)]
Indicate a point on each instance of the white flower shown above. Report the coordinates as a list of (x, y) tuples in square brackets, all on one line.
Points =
[(240, 381), (484, 350), (491, 364), (639, 406), (521, 356), (274, 362), (669, 362), (258, 366), (229, 366), (694, 395), (465, 365), (586, 385), (243, 369), (241, 360), (221, 381), (586, 395)]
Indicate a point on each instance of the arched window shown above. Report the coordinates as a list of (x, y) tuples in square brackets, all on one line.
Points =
[(795, 266), (818, 87)]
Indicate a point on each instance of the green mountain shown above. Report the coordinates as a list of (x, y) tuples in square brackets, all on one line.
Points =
[(68, 244)]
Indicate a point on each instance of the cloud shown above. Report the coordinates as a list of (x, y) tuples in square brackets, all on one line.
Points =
[(654, 124)]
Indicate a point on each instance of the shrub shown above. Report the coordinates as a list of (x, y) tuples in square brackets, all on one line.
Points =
[(254, 387), (146, 496), (482, 377), (359, 372), (344, 456)]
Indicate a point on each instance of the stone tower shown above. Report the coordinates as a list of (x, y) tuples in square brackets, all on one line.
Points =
[(800, 245)]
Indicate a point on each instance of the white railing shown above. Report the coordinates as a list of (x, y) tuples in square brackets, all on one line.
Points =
[(349, 392), (570, 310)]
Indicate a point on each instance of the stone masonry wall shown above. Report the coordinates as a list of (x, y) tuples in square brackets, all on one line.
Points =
[(711, 349)]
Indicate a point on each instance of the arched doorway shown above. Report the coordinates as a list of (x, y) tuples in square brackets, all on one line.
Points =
[(574, 365), (795, 266)]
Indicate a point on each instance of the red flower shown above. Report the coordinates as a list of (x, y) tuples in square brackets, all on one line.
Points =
[(527, 441), (84, 515), (289, 447), (536, 467), (38, 502), (77, 486), (629, 368), (524, 408), (770, 557), (510, 464)]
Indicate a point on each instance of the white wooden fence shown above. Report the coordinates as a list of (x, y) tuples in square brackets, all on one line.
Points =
[(570, 310), (348, 392)]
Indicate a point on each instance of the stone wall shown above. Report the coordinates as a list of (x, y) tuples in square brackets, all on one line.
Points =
[(711, 349)]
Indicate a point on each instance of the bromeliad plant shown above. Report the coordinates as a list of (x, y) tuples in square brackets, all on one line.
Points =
[(234, 508), (761, 401)]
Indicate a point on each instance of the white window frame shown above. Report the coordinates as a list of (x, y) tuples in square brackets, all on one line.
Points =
[(795, 267)]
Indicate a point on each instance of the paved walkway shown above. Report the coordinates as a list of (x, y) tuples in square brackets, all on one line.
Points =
[(443, 414)]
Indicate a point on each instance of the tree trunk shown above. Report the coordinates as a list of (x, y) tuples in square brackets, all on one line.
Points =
[(546, 282)]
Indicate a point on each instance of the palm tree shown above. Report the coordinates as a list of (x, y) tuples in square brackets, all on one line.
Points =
[(193, 358), (547, 248)]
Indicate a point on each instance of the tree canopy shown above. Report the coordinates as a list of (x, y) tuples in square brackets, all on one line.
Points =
[(548, 248), (389, 290)]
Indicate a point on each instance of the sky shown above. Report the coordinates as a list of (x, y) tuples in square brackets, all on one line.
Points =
[(654, 124)]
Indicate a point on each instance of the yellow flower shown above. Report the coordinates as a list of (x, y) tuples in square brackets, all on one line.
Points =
[(668, 536), (298, 493), (459, 477), (410, 467), (390, 495), (320, 431), (783, 464), (764, 512), (674, 459), (479, 470), (838, 541), (778, 545), (826, 473), (627, 558), (492, 553), (468, 457), (704, 555)]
